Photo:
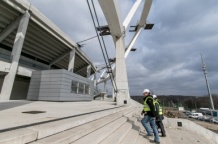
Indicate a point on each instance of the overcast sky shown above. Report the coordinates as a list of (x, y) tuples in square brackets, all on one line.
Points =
[(167, 59)]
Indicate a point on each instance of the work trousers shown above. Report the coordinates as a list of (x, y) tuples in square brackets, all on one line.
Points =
[(149, 120), (161, 127)]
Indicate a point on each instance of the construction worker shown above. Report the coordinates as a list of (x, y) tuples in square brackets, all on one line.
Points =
[(160, 117), (149, 116)]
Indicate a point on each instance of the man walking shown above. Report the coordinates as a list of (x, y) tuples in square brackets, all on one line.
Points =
[(150, 116), (159, 109)]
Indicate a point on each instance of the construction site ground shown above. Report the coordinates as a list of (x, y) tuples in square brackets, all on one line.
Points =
[(173, 113)]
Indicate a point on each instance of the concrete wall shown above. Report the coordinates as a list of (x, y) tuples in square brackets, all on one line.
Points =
[(55, 85), (191, 126), (20, 89)]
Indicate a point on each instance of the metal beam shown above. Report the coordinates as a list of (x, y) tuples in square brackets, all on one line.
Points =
[(111, 12), (144, 15), (10, 28), (132, 42), (131, 13), (60, 57)]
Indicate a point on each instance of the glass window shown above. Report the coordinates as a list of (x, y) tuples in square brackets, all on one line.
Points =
[(74, 87), (81, 88), (87, 89)]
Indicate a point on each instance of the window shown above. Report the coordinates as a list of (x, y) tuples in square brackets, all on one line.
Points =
[(81, 88), (87, 89), (74, 87)]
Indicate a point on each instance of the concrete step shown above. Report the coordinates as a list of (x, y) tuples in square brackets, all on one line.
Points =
[(139, 125), (20, 136), (24, 135), (102, 133), (141, 140), (80, 131), (132, 120), (131, 137), (117, 136), (47, 129), (130, 114)]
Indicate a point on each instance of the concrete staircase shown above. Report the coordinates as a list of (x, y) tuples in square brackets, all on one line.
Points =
[(116, 126), (96, 122), (112, 129)]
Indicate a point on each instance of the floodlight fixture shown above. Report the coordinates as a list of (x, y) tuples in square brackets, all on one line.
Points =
[(133, 49), (103, 30), (112, 59), (148, 26)]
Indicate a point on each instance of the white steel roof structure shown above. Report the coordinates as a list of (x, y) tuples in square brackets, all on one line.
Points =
[(44, 42), (117, 29)]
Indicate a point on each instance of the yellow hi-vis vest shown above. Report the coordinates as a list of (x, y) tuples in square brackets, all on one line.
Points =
[(160, 110), (146, 107)]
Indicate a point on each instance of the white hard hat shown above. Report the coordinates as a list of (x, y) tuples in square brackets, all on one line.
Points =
[(154, 96), (146, 90)]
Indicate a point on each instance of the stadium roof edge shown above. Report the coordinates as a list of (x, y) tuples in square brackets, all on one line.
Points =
[(48, 25)]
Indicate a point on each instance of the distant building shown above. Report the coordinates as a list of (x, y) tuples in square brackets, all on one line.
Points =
[(209, 111), (181, 108)]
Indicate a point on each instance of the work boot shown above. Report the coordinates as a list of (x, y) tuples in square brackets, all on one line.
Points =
[(148, 136), (155, 142)]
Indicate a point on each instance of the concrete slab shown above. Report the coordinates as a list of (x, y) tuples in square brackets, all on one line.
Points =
[(13, 104), (54, 110)]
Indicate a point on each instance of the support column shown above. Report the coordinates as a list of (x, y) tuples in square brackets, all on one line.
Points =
[(15, 56), (88, 71), (9, 29), (121, 74), (71, 60), (105, 83), (95, 80)]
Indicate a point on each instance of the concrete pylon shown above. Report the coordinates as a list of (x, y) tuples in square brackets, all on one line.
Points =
[(15, 56), (88, 71), (121, 74), (71, 60)]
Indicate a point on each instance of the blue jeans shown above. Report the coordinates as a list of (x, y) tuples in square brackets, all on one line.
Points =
[(149, 120)]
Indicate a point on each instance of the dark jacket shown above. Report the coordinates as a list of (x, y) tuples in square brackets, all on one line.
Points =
[(159, 117), (150, 103)]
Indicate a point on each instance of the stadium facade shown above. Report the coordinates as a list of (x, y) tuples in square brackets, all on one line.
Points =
[(31, 44)]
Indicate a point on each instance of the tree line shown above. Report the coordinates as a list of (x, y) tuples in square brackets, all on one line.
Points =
[(188, 102)]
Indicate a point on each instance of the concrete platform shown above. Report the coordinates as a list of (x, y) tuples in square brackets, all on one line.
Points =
[(180, 136), (11, 115)]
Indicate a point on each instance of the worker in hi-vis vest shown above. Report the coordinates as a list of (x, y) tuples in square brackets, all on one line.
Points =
[(160, 117), (150, 116)]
